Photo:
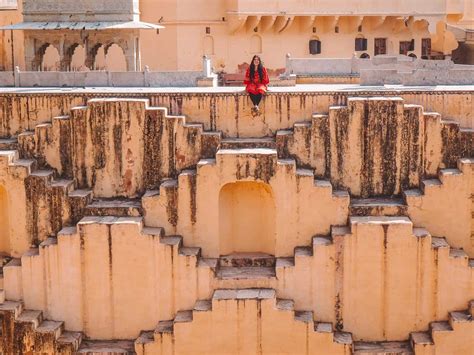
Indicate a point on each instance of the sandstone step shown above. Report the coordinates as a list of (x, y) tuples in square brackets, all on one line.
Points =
[(14, 307), (439, 242), (304, 316), (144, 338), (81, 194), (69, 342), (245, 273), (285, 305), (27, 164), (430, 184), (248, 152), (383, 348), (8, 143), (8, 156), (420, 338), (459, 316), (46, 176), (248, 143), (247, 260), (440, 327), (114, 207), (63, 184), (378, 207), (343, 338), (32, 317), (285, 262), (303, 252), (50, 328), (202, 306), (166, 326), (102, 347)]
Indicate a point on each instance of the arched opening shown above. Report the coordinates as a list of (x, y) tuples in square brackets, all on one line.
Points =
[(115, 58), (99, 60), (51, 60), (256, 44), (412, 55), (364, 56), (208, 45), (78, 59), (246, 218), (4, 222)]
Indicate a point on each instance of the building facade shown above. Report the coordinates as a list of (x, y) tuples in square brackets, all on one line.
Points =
[(230, 32)]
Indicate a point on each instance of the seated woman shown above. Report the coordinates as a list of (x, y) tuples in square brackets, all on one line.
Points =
[(256, 81)]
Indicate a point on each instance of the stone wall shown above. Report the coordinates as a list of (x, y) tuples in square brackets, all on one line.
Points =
[(383, 70), (80, 11), (365, 210), (228, 112), (30, 79)]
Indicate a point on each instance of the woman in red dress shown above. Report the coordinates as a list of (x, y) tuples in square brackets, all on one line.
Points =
[(256, 81)]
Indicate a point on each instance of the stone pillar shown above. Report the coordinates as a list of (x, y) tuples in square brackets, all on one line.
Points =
[(30, 53)]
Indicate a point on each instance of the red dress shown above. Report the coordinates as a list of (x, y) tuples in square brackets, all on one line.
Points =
[(256, 86)]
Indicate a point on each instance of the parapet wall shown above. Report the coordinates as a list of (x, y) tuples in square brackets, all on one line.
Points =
[(227, 110)]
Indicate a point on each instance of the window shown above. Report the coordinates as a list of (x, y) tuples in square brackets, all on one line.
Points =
[(406, 46), (425, 48), (361, 44), (380, 46), (208, 30), (315, 46)]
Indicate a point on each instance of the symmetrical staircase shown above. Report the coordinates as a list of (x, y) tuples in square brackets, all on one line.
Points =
[(108, 241)]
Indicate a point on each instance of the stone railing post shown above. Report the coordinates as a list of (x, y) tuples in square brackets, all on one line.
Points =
[(16, 76), (109, 78), (206, 66), (208, 78), (145, 75), (288, 69)]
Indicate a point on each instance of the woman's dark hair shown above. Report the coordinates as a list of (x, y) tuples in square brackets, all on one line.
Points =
[(259, 68)]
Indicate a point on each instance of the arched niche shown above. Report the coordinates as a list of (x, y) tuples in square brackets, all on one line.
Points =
[(115, 58), (256, 44), (246, 218), (4, 222)]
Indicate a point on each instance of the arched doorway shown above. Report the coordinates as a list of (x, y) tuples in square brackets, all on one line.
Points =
[(4, 222), (246, 218), (115, 58), (51, 60), (78, 58)]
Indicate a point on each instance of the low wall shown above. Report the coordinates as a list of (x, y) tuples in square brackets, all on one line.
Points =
[(381, 70), (227, 110), (100, 79), (417, 77)]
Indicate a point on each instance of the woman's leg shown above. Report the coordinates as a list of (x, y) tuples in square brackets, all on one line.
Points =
[(254, 99)]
